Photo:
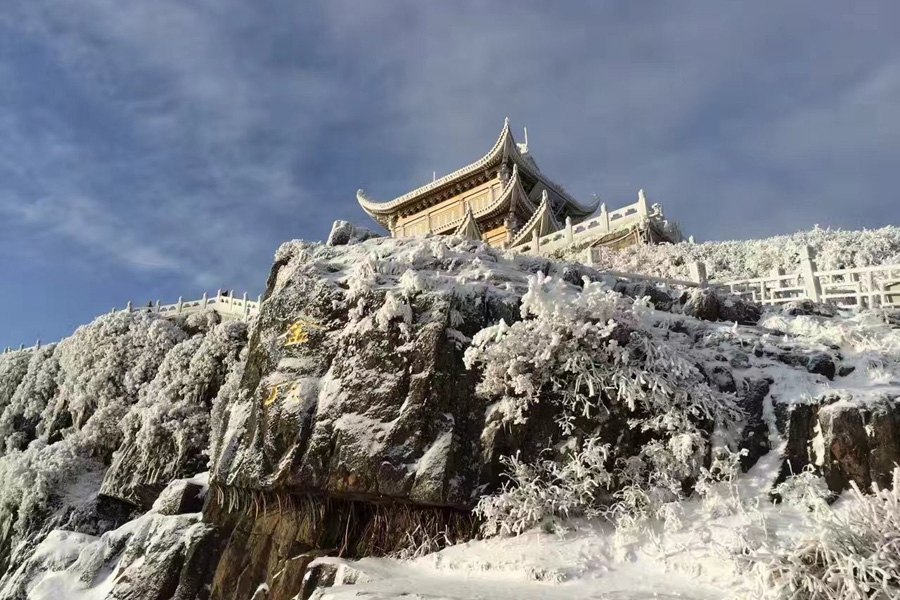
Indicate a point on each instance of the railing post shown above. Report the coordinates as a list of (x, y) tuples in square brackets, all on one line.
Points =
[(808, 268), (128, 306), (180, 305), (691, 240), (157, 307), (870, 289), (778, 272), (698, 273), (37, 345), (604, 218), (570, 236), (246, 307), (536, 242), (204, 301), (642, 204)]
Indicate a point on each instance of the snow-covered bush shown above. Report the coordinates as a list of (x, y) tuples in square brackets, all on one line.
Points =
[(855, 555), (173, 410), (548, 488), (20, 419), (13, 366), (67, 409), (835, 249), (589, 353), (806, 490)]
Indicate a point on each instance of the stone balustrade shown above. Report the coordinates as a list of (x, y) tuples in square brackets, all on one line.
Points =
[(606, 222), (225, 304)]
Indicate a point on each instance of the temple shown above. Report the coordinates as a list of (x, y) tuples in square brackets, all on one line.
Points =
[(503, 198)]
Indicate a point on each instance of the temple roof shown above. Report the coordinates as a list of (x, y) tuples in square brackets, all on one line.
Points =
[(511, 195), (504, 148), (542, 221)]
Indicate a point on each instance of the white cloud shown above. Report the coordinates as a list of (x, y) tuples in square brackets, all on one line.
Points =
[(228, 120)]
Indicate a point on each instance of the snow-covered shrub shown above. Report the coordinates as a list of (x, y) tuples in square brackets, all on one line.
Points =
[(20, 419), (587, 352), (835, 249), (807, 490), (716, 486), (13, 366), (546, 489), (855, 555), (173, 410)]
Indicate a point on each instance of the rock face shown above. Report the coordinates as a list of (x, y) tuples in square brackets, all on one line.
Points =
[(755, 435), (355, 381), (157, 556), (356, 397), (344, 233), (846, 442), (706, 304)]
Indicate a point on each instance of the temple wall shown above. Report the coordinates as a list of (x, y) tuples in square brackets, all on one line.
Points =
[(495, 237), (452, 209)]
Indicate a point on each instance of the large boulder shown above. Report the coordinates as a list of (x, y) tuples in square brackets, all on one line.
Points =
[(845, 441), (344, 233), (708, 305)]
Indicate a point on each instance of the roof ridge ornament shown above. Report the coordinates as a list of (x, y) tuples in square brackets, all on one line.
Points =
[(541, 219), (469, 227)]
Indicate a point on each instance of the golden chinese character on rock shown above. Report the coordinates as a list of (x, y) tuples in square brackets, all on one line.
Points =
[(273, 396), (298, 332)]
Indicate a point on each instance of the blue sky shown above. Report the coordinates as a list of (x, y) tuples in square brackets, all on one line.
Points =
[(156, 149)]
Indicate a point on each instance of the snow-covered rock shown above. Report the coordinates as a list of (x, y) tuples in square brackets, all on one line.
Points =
[(344, 233), (390, 386)]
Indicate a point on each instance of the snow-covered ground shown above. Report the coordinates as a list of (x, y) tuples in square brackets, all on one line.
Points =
[(698, 562)]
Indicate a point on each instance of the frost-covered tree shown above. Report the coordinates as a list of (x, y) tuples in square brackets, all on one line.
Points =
[(167, 430), (21, 418), (592, 354), (13, 366)]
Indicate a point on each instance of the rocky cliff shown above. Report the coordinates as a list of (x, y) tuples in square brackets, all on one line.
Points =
[(351, 422)]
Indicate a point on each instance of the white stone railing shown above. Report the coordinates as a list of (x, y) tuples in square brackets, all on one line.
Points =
[(228, 306), (224, 304), (606, 222), (863, 287), (22, 348)]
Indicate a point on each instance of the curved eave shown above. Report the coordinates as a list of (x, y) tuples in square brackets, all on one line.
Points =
[(543, 212), (512, 193), (576, 208), (504, 146)]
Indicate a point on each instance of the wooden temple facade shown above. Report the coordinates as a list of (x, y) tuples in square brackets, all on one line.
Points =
[(503, 198)]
